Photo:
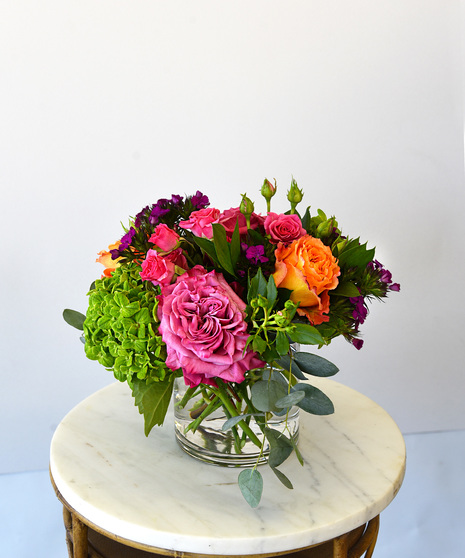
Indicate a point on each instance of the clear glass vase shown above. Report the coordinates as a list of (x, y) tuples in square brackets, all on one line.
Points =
[(211, 444)]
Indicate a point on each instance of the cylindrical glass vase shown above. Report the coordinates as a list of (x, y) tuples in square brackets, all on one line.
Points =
[(211, 444)]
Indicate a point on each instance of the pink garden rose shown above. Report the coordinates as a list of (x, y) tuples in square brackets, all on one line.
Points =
[(203, 326), (284, 228), (229, 218), (200, 222), (165, 238), (161, 270)]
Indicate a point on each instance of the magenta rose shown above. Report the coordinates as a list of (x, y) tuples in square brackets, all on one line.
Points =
[(161, 270), (229, 218), (284, 228), (202, 323), (200, 222), (165, 238)]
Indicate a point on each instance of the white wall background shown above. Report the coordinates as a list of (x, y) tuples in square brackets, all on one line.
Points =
[(107, 106)]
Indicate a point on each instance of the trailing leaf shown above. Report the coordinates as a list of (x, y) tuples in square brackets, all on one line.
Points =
[(251, 485)]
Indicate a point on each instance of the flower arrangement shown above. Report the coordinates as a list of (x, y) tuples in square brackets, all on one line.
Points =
[(218, 298)]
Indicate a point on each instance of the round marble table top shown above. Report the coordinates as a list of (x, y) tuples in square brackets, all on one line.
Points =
[(147, 490)]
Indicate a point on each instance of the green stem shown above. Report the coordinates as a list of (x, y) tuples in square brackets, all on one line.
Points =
[(222, 394)]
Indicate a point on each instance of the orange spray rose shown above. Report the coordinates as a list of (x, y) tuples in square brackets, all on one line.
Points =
[(105, 259), (307, 268)]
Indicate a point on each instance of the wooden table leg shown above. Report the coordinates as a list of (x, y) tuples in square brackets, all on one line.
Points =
[(340, 546), (80, 543)]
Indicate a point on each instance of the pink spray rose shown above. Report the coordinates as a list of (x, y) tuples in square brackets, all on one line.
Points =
[(284, 228), (203, 326), (200, 222), (229, 218), (161, 270), (165, 238)]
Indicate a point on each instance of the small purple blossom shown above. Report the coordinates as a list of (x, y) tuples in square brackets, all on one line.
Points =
[(255, 254), (360, 311), (159, 209), (125, 243), (140, 216), (199, 200), (176, 199), (357, 343), (385, 275)]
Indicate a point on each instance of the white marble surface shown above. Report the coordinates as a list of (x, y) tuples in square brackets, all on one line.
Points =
[(148, 491)]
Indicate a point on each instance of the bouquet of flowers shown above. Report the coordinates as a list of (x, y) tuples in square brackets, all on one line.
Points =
[(219, 298)]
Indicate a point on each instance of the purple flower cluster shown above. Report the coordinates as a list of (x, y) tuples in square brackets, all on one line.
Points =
[(199, 200), (125, 243), (385, 275)]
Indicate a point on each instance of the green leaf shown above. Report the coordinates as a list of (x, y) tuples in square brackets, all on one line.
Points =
[(315, 365), (306, 334), (74, 318), (297, 451), (306, 220), (222, 248), (315, 401), (271, 292), (346, 289), (280, 447), (153, 400), (251, 485), (259, 344), (235, 245), (282, 477), (286, 363), (354, 254), (282, 343), (208, 247), (290, 400), (266, 393)]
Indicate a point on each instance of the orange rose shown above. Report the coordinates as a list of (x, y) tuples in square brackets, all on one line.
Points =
[(105, 259), (307, 268)]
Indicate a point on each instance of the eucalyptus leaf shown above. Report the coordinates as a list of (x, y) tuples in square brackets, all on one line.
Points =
[(306, 334), (315, 401), (315, 365), (290, 400), (74, 318), (280, 447), (251, 485), (264, 395), (235, 420), (282, 477), (287, 364)]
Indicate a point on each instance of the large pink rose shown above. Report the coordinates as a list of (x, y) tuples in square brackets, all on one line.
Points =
[(161, 270), (165, 238), (202, 324), (229, 218), (200, 222), (284, 228)]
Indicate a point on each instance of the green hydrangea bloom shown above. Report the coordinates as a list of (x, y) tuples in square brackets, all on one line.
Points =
[(121, 327)]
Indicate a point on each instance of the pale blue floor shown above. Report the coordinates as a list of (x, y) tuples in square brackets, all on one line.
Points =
[(427, 518)]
